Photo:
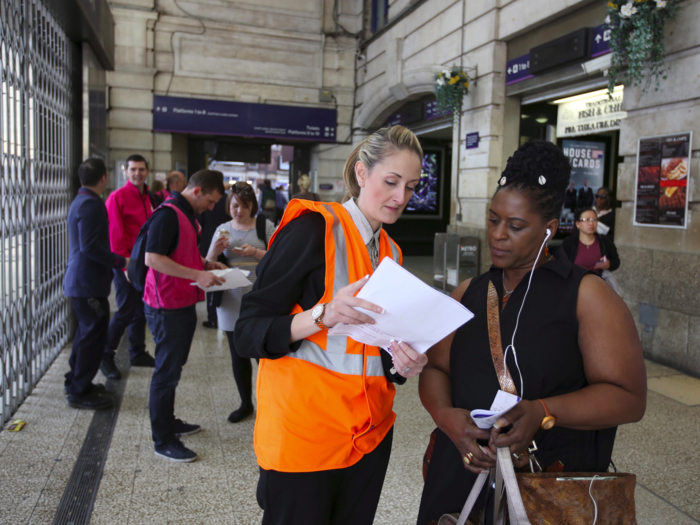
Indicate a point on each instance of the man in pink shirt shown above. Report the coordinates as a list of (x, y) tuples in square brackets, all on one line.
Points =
[(128, 209)]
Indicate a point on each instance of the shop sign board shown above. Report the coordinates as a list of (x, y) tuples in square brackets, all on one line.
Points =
[(591, 113), (663, 170), (601, 40), (518, 69), (472, 140), (221, 117)]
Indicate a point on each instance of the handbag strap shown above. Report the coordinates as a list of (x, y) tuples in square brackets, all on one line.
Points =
[(471, 500), (516, 508), (494, 322)]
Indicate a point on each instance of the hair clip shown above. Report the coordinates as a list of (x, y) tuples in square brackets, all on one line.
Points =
[(502, 182), (542, 180)]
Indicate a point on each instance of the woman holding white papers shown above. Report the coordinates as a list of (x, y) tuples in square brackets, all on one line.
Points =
[(571, 349), (324, 421), (243, 241)]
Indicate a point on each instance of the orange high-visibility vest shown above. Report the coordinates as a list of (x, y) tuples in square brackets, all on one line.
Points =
[(329, 403)]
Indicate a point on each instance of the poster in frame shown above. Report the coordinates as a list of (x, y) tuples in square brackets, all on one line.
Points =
[(661, 180)]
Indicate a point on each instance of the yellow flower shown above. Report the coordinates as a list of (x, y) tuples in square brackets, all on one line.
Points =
[(612, 5), (466, 85), (454, 80)]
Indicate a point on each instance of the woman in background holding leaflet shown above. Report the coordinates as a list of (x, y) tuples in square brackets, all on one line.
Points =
[(239, 241), (324, 421), (571, 348)]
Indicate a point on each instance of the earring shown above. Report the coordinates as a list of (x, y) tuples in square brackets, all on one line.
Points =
[(546, 250)]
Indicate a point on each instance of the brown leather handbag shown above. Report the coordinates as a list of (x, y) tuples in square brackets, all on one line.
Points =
[(551, 498)]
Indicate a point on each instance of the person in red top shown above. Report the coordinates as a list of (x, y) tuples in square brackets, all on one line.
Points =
[(128, 209)]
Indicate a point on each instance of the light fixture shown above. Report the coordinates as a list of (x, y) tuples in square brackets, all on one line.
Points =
[(524, 116), (618, 89), (541, 120)]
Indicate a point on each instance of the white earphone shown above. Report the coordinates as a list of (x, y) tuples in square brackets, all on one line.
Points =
[(511, 346)]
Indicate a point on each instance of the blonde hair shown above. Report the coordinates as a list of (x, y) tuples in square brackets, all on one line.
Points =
[(374, 149), (304, 183)]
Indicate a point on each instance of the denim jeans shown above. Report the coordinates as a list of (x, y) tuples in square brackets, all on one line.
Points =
[(173, 331), (129, 315)]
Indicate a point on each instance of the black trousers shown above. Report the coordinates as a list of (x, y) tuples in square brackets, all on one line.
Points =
[(129, 315), (242, 373), (211, 310), (88, 342), (347, 496)]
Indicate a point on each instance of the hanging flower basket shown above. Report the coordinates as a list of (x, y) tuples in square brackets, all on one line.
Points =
[(637, 41), (450, 87)]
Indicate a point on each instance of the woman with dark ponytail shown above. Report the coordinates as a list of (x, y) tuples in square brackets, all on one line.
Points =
[(569, 343)]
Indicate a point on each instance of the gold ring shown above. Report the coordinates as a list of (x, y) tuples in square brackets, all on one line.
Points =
[(468, 458)]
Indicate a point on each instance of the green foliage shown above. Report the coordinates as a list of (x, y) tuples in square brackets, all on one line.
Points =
[(637, 42), (450, 87)]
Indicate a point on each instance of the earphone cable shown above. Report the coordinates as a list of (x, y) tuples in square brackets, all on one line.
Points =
[(517, 321)]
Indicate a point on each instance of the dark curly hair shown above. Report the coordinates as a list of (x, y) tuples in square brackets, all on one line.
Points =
[(532, 160)]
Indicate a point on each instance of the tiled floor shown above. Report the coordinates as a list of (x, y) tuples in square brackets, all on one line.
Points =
[(139, 488)]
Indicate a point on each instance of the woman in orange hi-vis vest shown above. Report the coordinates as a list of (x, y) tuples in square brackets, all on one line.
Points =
[(324, 418)]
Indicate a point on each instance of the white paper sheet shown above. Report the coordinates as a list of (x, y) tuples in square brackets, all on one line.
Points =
[(234, 278), (416, 313), (502, 403)]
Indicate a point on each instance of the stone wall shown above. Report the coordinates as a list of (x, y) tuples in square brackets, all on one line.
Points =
[(661, 266), (260, 51)]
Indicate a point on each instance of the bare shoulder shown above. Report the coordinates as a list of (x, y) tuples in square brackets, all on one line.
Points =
[(458, 292), (597, 300)]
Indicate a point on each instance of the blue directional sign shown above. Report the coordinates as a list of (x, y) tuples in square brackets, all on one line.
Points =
[(601, 40), (518, 69), (220, 117), (472, 140)]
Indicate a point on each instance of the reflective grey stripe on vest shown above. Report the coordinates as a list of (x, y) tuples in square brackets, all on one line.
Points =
[(334, 357)]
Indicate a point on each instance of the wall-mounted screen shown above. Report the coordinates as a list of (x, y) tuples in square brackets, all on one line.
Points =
[(428, 193)]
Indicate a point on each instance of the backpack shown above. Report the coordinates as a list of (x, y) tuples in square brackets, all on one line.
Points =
[(137, 269), (269, 199)]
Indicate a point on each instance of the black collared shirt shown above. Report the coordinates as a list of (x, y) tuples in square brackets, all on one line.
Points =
[(163, 232)]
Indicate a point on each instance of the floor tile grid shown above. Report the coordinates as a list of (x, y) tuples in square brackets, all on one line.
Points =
[(35, 465)]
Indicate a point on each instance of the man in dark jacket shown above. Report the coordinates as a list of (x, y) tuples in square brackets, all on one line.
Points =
[(585, 195), (87, 282)]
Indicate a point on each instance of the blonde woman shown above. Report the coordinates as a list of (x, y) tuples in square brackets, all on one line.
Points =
[(324, 421), (304, 184)]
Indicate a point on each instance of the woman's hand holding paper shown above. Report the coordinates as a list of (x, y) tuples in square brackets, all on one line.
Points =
[(342, 308), (407, 361), (460, 428)]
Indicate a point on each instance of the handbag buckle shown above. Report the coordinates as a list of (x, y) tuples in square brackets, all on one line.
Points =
[(531, 457)]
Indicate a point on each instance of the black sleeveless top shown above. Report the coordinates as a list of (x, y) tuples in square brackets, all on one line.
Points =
[(551, 364)]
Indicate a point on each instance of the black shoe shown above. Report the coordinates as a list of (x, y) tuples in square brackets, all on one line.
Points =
[(145, 359), (210, 324), (240, 414), (185, 429), (109, 368), (176, 451), (91, 401), (97, 388)]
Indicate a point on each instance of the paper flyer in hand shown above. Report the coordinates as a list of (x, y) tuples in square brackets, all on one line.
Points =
[(501, 404), (416, 313), (234, 278)]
